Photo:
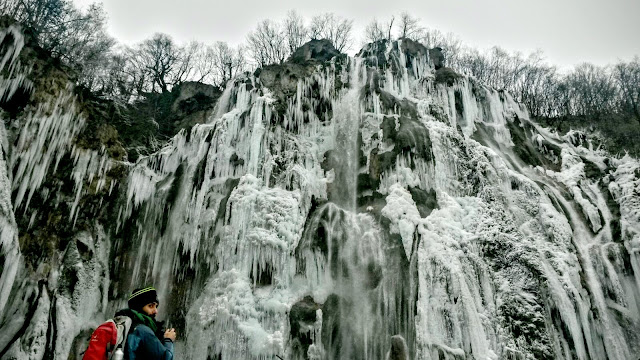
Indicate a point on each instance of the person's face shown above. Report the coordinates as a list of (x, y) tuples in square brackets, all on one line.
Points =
[(151, 309)]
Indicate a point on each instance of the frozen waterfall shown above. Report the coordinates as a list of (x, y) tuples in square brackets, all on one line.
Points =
[(349, 209)]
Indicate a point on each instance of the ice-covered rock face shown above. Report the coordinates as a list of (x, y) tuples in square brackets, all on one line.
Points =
[(351, 209)]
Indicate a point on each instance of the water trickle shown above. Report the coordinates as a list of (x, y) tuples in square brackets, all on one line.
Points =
[(350, 270), (347, 114)]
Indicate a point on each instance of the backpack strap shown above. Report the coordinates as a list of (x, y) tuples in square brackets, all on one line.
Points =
[(123, 324)]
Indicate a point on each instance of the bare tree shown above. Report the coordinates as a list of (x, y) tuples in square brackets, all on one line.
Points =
[(84, 42), (318, 24), (78, 38), (185, 68), (121, 78), (390, 27), (267, 44), (373, 32), (432, 38), (377, 30), (409, 27), (295, 31), (535, 83), (591, 90), (43, 17), (68, 33), (10, 8), (451, 45), (627, 76), (163, 63), (227, 62), (334, 28)]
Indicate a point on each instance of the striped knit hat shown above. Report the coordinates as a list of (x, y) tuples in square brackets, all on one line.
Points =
[(141, 297)]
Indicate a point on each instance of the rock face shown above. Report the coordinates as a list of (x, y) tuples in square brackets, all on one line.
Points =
[(194, 103), (318, 50), (437, 57), (399, 350), (355, 208)]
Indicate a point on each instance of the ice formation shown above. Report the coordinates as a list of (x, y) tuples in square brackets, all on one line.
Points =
[(361, 211)]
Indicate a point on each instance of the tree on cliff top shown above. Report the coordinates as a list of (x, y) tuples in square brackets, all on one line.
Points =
[(163, 63), (267, 43), (627, 76), (77, 37), (334, 28)]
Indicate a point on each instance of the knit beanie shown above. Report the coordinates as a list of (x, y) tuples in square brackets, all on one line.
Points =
[(141, 297)]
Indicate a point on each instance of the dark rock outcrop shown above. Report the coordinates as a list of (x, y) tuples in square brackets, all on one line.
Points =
[(194, 103), (302, 318), (447, 76), (437, 57), (399, 350), (318, 50)]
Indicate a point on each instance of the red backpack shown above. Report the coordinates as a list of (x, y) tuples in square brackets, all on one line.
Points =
[(107, 338)]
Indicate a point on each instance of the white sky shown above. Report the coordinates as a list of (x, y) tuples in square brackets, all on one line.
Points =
[(568, 31)]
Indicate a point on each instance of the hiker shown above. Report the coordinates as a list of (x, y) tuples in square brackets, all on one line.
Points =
[(146, 339)]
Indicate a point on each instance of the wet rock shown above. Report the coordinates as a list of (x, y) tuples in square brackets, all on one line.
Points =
[(591, 170), (302, 317), (79, 344), (229, 185), (283, 78), (437, 57), (446, 76), (425, 201), (194, 103), (521, 133), (374, 275), (411, 137), (282, 81), (318, 50), (399, 349), (375, 53), (413, 51), (194, 90), (332, 336), (235, 160)]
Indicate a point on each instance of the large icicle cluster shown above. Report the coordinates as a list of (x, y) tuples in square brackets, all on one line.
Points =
[(12, 78), (44, 306)]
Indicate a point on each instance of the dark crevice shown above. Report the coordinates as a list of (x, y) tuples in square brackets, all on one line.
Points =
[(29, 316)]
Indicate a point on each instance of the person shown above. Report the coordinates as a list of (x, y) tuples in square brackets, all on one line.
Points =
[(146, 340)]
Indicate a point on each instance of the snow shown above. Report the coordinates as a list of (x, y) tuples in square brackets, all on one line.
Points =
[(571, 175), (404, 215), (264, 227), (228, 318)]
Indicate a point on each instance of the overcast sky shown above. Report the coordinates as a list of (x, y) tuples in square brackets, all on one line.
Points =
[(568, 31)]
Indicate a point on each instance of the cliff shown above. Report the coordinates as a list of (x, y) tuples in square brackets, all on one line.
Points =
[(326, 208)]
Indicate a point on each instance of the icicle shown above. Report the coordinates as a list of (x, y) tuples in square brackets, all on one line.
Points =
[(89, 165), (9, 245), (45, 138), (9, 64)]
